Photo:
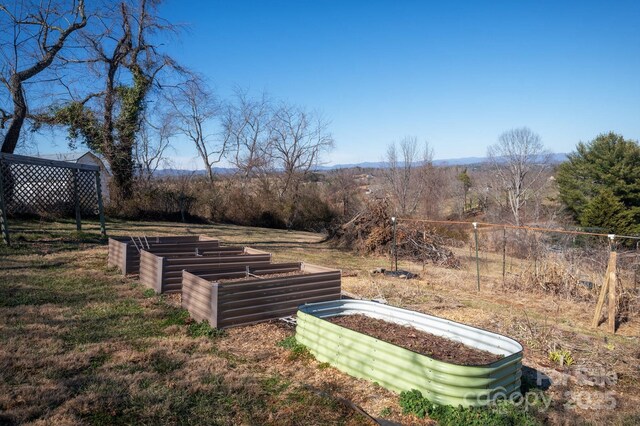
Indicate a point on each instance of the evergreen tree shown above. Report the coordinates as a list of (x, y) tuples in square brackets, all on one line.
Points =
[(606, 211), (464, 178), (600, 184)]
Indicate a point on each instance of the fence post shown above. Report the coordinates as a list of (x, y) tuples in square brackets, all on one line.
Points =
[(504, 253), (103, 229), (76, 198), (608, 287), (475, 231), (4, 226), (395, 247), (613, 280)]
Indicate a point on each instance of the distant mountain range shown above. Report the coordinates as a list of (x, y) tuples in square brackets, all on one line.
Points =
[(464, 161)]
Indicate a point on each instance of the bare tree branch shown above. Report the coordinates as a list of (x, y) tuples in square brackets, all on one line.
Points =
[(195, 108), (406, 173), (519, 159)]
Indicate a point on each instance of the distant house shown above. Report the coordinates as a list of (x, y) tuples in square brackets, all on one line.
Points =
[(87, 157)]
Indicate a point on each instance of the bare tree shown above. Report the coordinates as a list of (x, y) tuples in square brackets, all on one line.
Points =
[(152, 142), (343, 189), (247, 125), (518, 160), (195, 108), (34, 34), (127, 62), (405, 174), (298, 139), (436, 188)]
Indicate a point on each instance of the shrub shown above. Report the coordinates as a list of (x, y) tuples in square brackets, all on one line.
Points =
[(561, 357)]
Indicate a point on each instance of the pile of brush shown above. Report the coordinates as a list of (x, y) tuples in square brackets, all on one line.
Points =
[(371, 232)]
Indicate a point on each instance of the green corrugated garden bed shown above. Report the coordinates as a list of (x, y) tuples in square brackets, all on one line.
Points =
[(400, 369)]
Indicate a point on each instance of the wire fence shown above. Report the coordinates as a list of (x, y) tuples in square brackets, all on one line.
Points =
[(565, 263)]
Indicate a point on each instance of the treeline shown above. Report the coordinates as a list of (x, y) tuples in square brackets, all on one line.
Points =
[(322, 201), (598, 188), (97, 72)]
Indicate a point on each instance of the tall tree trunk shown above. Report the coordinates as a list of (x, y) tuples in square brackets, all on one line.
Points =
[(19, 114), (121, 163)]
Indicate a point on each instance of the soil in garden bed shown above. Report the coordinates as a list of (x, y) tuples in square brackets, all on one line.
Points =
[(416, 340), (266, 276)]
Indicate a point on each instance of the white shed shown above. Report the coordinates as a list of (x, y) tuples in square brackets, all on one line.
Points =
[(86, 157)]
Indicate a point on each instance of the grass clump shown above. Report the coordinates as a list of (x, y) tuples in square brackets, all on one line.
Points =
[(503, 413), (203, 329), (175, 316), (298, 351), (275, 385), (149, 292)]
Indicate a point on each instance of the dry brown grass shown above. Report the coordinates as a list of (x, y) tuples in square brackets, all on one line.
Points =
[(80, 344)]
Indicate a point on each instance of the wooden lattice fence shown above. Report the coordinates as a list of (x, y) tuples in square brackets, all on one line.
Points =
[(38, 187)]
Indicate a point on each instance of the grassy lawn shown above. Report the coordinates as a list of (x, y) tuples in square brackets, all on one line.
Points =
[(81, 344)]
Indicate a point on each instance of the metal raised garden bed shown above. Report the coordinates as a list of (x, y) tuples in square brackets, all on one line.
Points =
[(260, 297), (400, 369), (162, 271), (124, 252)]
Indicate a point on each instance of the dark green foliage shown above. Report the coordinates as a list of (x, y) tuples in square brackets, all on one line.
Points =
[(502, 414), (606, 211), (600, 184), (464, 178), (82, 124)]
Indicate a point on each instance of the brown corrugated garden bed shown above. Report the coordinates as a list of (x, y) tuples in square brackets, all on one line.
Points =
[(249, 276), (163, 271), (124, 252), (419, 341), (228, 297)]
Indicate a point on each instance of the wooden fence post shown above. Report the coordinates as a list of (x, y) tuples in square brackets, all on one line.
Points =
[(608, 288), (4, 226), (103, 228)]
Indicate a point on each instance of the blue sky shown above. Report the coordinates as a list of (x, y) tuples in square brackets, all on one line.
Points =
[(454, 73)]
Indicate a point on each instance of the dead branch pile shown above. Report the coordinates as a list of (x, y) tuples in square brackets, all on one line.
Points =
[(371, 232)]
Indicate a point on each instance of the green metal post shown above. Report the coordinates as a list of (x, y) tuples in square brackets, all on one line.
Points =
[(103, 228), (76, 198), (475, 231), (504, 253), (4, 226), (395, 247)]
